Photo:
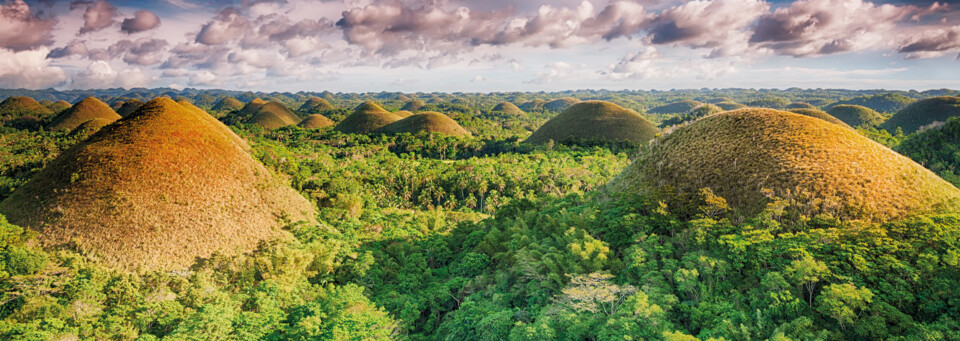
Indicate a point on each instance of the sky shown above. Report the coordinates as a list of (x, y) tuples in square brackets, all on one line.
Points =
[(479, 45)]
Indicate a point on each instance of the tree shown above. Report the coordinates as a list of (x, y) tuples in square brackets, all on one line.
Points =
[(594, 293), (807, 272), (843, 302)]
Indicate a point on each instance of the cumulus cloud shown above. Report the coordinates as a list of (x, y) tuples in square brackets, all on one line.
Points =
[(21, 29), (143, 51), (815, 27), (141, 21), (99, 75), (99, 15), (74, 48), (227, 26), (719, 24), (932, 43), (28, 69), (639, 65), (203, 78)]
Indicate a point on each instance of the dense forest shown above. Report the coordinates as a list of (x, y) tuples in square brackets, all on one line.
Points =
[(485, 237)]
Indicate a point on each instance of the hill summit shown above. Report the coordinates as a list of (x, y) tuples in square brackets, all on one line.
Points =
[(507, 108), (368, 117), (315, 121), (156, 190), (856, 115), (428, 121), (752, 157), (314, 104), (87, 109), (595, 120), (924, 112), (273, 115), (20, 106)]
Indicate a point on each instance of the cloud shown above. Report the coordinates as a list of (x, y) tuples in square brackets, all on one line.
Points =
[(28, 69), (640, 65), (21, 29), (99, 75), (478, 79), (203, 78), (719, 24), (143, 51), (932, 43), (816, 27), (74, 48), (99, 15), (227, 26), (141, 21)]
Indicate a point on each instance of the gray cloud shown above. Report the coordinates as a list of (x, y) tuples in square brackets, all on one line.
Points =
[(934, 41), (21, 29), (74, 48), (143, 51), (99, 15), (227, 26), (722, 25), (141, 21)]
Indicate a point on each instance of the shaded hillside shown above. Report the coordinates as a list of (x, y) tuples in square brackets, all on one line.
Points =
[(856, 115), (128, 107), (923, 112), (273, 115), (884, 103), (315, 104), (17, 107), (88, 109), (821, 115), (368, 117), (675, 108), (315, 121), (937, 147)]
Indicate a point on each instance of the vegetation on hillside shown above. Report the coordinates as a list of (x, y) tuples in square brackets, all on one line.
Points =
[(856, 115), (922, 113), (592, 121)]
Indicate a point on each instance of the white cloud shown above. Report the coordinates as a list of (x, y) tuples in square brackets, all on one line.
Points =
[(29, 69), (99, 74)]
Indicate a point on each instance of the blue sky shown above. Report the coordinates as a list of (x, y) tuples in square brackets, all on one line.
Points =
[(479, 46)]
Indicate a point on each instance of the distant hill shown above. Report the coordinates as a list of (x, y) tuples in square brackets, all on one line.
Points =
[(315, 121), (507, 108), (937, 147), (128, 107), (770, 102), (730, 106), (884, 103), (923, 112), (428, 121), (58, 106), (315, 104), (155, 191), (675, 107), (750, 156), (368, 117), (227, 104), (821, 115), (88, 109), (595, 121), (533, 105), (20, 106), (801, 105), (560, 104), (273, 115), (856, 115), (700, 111), (413, 105)]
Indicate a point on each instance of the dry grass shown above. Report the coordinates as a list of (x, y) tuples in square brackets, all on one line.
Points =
[(273, 115), (821, 115), (87, 109), (819, 166), (856, 115), (801, 105), (428, 121), (315, 121), (403, 113), (368, 117), (595, 120), (315, 104), (508, 108), (90, 127), (924, 112), (156, 190), (730, 105), (58, 106)]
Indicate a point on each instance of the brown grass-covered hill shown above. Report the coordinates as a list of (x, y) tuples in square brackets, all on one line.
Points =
[(315, 104), (413, 105), (251, 107), (730, 105), (507, 108), (20, 106), (58, 106), (818, 167), (87, 109), (129, 106), (533, 105), (923, 112), (403, 113), (595, 120), (560, 104), (428, 121), (856, 115), (227, 104), (273, 115), (156, 190), (801, 105), (821, 115), (675, 108), (315, 121), (368, 117), (90, 127)]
